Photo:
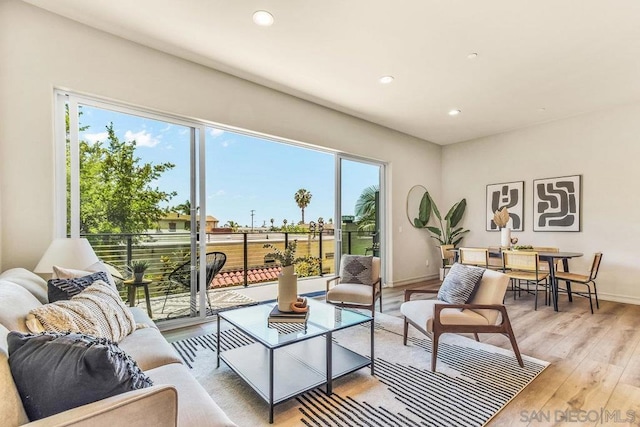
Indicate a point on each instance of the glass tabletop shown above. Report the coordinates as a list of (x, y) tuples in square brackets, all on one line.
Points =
[(322, 319)]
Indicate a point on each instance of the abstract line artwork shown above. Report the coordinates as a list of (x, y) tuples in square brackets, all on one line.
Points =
[(556, 204), (511, 196)]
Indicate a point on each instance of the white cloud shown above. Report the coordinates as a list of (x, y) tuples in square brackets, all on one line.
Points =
[(217, 194), (143, 138), (184, 131), (215, 132), (95, 137), (225, 144), (166, 129)]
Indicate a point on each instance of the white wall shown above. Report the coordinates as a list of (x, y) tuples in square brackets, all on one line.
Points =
[(604, 148), (41, 51)]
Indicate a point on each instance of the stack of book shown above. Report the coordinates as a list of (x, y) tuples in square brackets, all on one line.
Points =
[(277, 316)]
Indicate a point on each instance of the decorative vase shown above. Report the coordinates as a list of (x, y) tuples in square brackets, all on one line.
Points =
[(505, 237), (287, 288), (138, 277)]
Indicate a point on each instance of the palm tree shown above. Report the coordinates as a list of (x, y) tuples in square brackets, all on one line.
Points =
[(303, 198), (183, 208), (232, 225), (366, 209)]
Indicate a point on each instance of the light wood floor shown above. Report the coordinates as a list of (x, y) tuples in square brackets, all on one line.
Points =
[(595, 360)]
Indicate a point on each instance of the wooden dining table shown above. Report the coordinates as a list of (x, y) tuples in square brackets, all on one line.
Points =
[(551, 258)]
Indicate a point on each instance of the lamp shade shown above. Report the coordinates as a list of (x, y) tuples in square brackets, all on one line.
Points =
[(67, 253)]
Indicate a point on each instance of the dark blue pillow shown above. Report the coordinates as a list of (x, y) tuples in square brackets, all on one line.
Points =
[(64, 289), (55, 372)]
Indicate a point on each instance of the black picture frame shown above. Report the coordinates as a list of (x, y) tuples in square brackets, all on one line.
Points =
[(511, 195), (557, 204)]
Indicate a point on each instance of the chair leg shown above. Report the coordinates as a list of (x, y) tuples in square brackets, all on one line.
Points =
[(434, 350), (535, 305), (476, 336), (405, 331), (590, 302), (595, 292), (166, 296), (512, 338)]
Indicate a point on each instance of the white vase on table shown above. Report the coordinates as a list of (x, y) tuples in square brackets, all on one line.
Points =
[(287, 288), (505, 237)]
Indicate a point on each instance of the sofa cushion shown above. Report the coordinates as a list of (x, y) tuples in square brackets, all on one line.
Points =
[(64, 289), (11, 410), (15, 303), (55, 372), (98, 310), (28, 280), (69, 273), (460, 284), (420, 312), (195, 406), (149, 349), (357, 269)]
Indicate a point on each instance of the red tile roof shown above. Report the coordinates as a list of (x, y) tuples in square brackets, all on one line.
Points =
[(236, 277)]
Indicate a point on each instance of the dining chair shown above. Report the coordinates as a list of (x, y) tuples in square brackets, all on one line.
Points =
[(524, 266), (359, 284), (484, 313), (478, 257), (544, 266), (583, 279), (448, 257)]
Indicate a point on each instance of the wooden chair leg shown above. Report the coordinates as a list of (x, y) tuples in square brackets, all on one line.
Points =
[(476, 336), (434, 351), (512, 338)]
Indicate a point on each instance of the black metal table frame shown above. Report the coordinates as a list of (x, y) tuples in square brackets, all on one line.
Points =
[(329, 357)]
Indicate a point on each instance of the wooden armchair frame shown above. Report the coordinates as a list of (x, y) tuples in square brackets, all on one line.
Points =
[(504, 327)]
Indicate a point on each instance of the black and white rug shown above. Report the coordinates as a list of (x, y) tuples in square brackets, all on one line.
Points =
[(473, 382)]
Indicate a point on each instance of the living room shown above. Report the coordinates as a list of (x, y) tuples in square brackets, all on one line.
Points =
[(42, 51)]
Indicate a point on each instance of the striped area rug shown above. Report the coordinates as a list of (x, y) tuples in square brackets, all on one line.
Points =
[(472, 383)]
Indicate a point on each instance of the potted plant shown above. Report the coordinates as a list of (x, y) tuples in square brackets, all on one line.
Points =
[(139, 267)]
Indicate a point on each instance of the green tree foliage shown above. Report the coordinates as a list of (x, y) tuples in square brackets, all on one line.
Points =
[(366, 209), (182, 208), (302, 198), (116, 188)]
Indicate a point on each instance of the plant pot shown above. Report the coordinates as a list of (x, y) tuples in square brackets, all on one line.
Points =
[(287, 288), (138, 277)]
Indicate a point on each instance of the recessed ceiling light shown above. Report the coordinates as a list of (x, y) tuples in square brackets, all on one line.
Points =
[(263, 18), (472, 55), (454, 112), (385, 80)]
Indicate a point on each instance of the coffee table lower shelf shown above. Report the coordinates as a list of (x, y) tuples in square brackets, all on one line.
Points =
[(297, 368)]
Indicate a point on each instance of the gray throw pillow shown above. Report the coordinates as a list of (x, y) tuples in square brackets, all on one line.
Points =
[(461, 284), (55, 372), (64, 289), (357, 269)]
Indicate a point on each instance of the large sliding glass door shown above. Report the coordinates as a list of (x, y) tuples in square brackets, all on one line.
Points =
[(359, 207)]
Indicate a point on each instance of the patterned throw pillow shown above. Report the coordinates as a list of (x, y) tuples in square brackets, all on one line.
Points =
[(80, 369), (357, 269), (461, 284), (64, 289)]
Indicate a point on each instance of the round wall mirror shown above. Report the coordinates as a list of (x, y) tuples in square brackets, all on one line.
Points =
[(413, 202)]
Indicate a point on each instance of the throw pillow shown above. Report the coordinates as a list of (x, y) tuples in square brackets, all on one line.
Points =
[(64, 289), (460, 284), (98, 310), (69, 273), (357, 269), (55, 372)]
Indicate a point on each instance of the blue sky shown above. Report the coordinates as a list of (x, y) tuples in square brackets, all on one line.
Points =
[(242, 172)]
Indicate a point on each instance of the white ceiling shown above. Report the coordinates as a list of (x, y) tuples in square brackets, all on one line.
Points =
[(566, 56)]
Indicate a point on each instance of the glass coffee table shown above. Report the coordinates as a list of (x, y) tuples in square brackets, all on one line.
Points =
[(288, 359)]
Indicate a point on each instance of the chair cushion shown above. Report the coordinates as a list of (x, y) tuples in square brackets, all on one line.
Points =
[(55, 372), (64, 289), (149, 349), (351, 292), (357, 269), (460, 284), (420, 312), (491, 290)]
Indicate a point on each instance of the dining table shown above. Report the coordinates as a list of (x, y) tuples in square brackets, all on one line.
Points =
[(550, 258)]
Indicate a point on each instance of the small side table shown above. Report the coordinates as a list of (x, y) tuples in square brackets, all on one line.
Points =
[(133, 291)]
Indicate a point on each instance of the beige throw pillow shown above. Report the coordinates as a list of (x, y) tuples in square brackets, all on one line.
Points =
[(97, 311), (70, 273)]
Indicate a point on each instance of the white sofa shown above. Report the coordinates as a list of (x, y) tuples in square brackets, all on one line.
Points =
[(175, 399)]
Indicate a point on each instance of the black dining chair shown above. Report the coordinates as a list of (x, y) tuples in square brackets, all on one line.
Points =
[(181, 276)]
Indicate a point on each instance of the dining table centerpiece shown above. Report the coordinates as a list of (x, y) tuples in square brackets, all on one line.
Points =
[(501, 219)]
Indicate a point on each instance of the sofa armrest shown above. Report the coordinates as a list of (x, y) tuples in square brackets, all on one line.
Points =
[(153, 406)]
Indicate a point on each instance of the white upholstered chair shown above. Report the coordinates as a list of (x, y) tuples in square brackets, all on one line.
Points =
[(356, 287), (485, 313)]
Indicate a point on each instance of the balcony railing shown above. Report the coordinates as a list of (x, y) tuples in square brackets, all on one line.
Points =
[(245, 253)]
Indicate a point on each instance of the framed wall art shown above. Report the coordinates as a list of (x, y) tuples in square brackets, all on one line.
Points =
[(511, 195), (556, 203)]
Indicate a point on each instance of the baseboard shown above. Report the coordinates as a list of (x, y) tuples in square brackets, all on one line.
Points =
[(625, 299), (412, 280)]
